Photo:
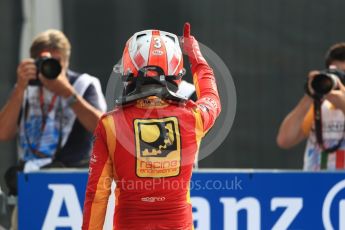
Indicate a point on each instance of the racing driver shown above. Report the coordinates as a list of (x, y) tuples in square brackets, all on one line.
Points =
[(149, 142)]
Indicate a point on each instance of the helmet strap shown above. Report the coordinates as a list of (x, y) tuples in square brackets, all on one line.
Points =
[(142, 85)]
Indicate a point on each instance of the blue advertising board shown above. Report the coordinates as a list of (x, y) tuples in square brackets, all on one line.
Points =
[(221, 200), (55, 191)]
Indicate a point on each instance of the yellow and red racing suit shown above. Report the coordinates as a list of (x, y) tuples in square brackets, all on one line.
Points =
[(149, 148)]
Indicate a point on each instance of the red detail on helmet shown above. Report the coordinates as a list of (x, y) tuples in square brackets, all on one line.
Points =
[(157, 53), (155, 32), (173, 63), (127, 64), (139, 60)]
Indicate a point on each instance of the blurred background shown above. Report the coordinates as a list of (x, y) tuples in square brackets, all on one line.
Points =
[(269, 46)]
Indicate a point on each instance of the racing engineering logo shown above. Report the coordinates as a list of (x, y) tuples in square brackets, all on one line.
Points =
[(158, 147)]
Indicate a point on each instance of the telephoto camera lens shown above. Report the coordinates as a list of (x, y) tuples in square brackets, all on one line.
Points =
[(323, 83), (49, 67)]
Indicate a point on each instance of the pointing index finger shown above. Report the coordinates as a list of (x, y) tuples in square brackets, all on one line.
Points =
[(186, 30)]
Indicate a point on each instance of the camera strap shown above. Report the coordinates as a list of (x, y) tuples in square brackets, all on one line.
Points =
[(319, 134), (45, 111), (45, 114)]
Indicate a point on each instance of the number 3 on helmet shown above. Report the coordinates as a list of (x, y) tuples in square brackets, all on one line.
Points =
[(153, 48)]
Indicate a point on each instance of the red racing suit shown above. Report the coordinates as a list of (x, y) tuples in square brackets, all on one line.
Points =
[(148, 148)]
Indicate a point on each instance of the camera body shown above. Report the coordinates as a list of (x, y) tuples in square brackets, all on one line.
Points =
[(49, 67), (326, 81)]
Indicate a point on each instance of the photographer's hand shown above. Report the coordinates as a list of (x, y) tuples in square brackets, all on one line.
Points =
[(311, 75), (9, 113), (60, 86), (291, 132), (86, 113), (337, 97), (26, 71)]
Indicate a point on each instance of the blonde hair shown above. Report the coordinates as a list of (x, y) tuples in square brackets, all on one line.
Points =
[(51, 39)]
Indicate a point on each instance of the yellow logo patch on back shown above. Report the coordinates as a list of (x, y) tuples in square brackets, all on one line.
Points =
[(158, 147)]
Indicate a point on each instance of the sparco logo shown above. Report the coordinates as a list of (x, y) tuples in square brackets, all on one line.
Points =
[(153, 199), (326, 208)]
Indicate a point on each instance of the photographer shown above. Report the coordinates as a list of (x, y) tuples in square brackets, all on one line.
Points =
[(52, 110), (319, 116)]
